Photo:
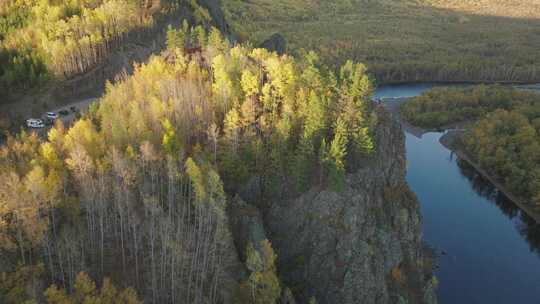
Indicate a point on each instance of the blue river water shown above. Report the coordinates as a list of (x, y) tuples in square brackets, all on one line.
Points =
[(409, 90), (489, 250)]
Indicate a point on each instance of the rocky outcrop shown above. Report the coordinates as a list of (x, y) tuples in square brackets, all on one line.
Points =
[(246, 225), (362, 245), (276, 43), (216, 11), (247, 228)]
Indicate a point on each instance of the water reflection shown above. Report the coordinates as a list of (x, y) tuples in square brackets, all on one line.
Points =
[(415, 89), (525, 225), (492, 250)]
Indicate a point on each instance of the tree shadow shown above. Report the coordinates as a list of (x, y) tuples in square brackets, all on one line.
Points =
[(524, 224)]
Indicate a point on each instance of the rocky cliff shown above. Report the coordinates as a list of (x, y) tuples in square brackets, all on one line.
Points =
[(363, 245), (216, 11)]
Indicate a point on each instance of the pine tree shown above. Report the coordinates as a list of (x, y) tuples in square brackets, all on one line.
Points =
[(172, 38), (200, 36), (316, 117), (171, 144), (303, 166), (335, 158), (264, 283)]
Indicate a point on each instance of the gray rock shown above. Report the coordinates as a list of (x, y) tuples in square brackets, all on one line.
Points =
[(276, 43), (287, 297), (215, 9), (363, 245), (246, 225)]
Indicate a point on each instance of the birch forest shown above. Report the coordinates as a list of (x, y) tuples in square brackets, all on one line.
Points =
[(44, 40), (129, 204)]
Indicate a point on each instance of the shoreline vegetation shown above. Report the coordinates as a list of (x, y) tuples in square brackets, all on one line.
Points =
[(441, 107), (393, 106), (465, 82), (485, 120), (451, 140)]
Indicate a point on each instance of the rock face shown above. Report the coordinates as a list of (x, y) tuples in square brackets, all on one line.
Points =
[(215, 9), (363, 245), (246, 225), (276, 43)]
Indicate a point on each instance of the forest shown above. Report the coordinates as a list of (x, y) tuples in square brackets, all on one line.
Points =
[(129, 204), (441, 107), (507, 144), (404, 40), (44, 40), (41, 39), (503, 134)]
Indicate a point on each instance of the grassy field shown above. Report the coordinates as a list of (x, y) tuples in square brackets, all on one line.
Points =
[(405, 40)]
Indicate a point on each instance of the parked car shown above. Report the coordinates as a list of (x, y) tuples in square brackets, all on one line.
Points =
[(35, 123), (48, 121), (51, 115), (63, 112)]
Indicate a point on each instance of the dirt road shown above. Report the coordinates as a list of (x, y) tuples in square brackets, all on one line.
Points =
[(81, 105)]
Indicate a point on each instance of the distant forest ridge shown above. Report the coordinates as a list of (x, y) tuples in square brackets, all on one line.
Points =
[(405, 40)]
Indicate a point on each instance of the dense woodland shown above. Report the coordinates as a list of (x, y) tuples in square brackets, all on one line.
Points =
[(441, 107), (42, 40), (137, 190), (505, 134), (404, 40), (507, 144), (130, 204)]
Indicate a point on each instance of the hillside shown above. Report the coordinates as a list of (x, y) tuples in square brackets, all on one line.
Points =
[(147, 188), (405, 40), (176, 185), (53, 53)]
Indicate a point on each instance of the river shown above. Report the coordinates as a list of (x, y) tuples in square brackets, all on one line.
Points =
[(489, 249)]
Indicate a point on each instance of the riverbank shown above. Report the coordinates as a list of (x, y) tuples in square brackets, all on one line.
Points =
[(461, 82), (450, 140), (393, 105), (489, 248)]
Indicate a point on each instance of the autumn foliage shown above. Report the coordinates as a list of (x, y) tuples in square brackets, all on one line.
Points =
[(137, 189)]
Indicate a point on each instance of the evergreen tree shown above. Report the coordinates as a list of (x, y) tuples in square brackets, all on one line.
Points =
[(264, 284), (335, 158), (172, 38), (303, 164)]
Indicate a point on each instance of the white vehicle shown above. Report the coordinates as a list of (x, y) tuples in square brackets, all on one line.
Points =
[(35, 123), (51, 115)]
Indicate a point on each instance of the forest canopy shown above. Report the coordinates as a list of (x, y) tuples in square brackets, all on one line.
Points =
[(61, 38), (507, 143), (137, 189), (504, 132), (42, 40), (404, 40), (441, 107)]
